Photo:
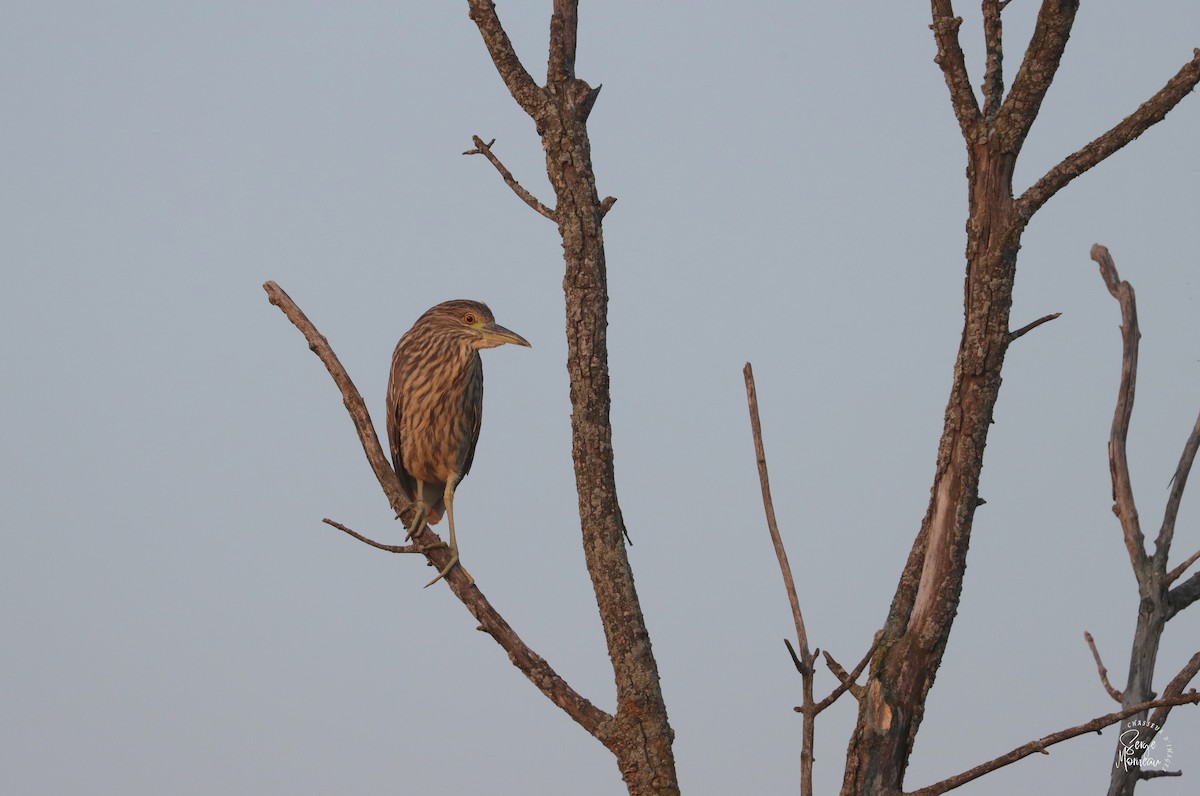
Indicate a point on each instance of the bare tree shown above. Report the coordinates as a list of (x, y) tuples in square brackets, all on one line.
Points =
[(918, 625), (1158, 602), (908, 650)]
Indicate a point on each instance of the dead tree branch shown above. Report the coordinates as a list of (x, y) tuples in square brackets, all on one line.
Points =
[(1149, 113), (509, 180), (1177, 573), (1174, 688), (1166, 533), (391, 548), (1042, 744), (1112, 692), (1029, 327), (805, 661), (954, 67), (849, 682), (1157, 601), (528, 94), (1183, 595), (532, 665), (789, 583), (1015, 117), (1118, 462)]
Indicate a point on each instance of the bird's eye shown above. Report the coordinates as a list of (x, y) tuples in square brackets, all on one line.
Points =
[(469, 318)]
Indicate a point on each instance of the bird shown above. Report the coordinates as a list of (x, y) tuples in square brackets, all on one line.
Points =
[(435, 406)]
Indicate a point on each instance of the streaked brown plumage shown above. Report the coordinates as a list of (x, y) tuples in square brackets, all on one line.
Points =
[(435, 405)]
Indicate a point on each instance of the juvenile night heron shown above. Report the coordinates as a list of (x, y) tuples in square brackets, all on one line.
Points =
[(434, 408)]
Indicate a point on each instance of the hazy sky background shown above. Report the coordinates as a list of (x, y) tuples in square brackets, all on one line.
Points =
[(174, 618)]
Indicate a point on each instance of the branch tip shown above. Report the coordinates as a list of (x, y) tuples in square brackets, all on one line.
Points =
[(1029, 327), (1112, 692)]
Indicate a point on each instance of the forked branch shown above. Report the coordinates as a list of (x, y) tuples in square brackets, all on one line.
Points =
[(805, 659), (1158, 602)]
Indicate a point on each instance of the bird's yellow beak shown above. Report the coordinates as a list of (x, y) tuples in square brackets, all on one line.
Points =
[(494, 334)]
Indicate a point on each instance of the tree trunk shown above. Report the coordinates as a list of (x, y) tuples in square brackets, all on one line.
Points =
[(640, 736), (642, 739), (922, 612)]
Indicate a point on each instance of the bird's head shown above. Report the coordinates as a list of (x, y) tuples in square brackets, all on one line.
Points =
[(470, 322)]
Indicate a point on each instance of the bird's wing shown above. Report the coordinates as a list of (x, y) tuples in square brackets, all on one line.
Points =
[(395, 410), (474, 410)]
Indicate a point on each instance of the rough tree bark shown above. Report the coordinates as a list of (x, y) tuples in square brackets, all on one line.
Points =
[(918, 625), (641, 737)]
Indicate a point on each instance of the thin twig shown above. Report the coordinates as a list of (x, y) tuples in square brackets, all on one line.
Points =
[(1166, 534), (1040, 745), (849, 682), (1112, 692), (795, 658), (808, 730), (1178, 572), (391, 548), (764, 480), (1155, 773), (1029, 327), (509, 180)]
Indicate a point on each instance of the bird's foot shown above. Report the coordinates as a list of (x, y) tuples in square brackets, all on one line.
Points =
[(449, 566), (418, 521)]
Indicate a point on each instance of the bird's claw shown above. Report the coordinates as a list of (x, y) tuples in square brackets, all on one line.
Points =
[(419, 525), (449, 566)]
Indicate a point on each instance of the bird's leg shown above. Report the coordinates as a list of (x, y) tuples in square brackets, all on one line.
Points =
[(419, 511), (449, 498)]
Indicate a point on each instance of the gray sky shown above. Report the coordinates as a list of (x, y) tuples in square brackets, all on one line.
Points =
[(174, 618)]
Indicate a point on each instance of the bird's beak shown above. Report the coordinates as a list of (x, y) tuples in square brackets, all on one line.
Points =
[(494, 334)]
